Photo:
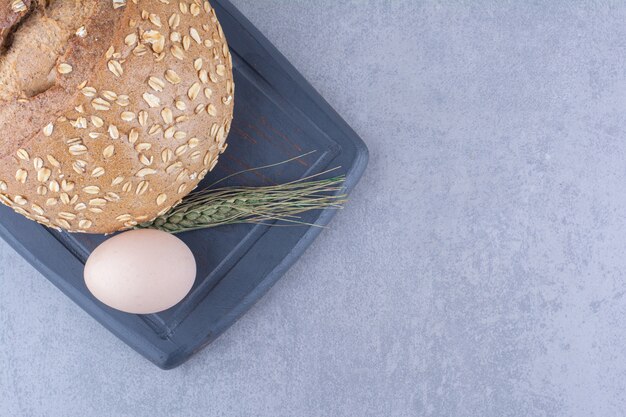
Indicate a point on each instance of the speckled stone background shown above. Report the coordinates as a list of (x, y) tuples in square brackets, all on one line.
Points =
[(478, 271)]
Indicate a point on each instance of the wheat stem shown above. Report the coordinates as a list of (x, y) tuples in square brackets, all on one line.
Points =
[(258, 205)]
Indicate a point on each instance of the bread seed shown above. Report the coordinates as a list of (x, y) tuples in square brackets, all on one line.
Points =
[(91, 189), (78, 149), (156, 83), (88, 91), (38, 163), (48, 129), (169, 132), (63, 223), (177, 52), (67, 215), (128, 116), (207, 158), (175, 37), (195, 35), (23, 155), (80, 123), (97, 172), (96, 121), (84, 224), (53, 161), (100, 104), (214, 129), (111, 196), (54, 186), (122, 100), (145, 160), (64, 68), (142, 147), (182, 174), (161, 199), (180, 105), (166, 155), (211, 110), (197, 64), (21, 175), (167, 115), (109, 95), (144, 172), (155, 130), (37, 209), (140, 50), (127, 187), (181, 150), (155, 39), (131, 39), (114, 133), (172, 77), (152, 100), (98, 202), (186, 43), (18, 6), (174, 167), (115, 67), (117, 181), (174, 20), (43, 174), (81, 32), (193, 142), (193, 91), (124, 218), (67, 186), (42, 219), (142, 187), (155, 19)]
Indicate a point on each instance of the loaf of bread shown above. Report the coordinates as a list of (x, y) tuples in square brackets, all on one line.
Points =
[(111, 111)]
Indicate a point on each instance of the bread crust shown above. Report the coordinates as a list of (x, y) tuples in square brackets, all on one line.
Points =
[(137, 112)]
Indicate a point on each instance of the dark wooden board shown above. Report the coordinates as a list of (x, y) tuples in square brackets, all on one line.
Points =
[(278, 115)]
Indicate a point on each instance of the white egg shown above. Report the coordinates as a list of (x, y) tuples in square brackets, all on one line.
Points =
[(141, 271)]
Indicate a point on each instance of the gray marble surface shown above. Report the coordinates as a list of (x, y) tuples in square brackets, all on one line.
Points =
[(478, 270)]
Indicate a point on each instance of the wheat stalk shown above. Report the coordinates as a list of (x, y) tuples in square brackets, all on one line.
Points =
[(229, 205), (214, 207)]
